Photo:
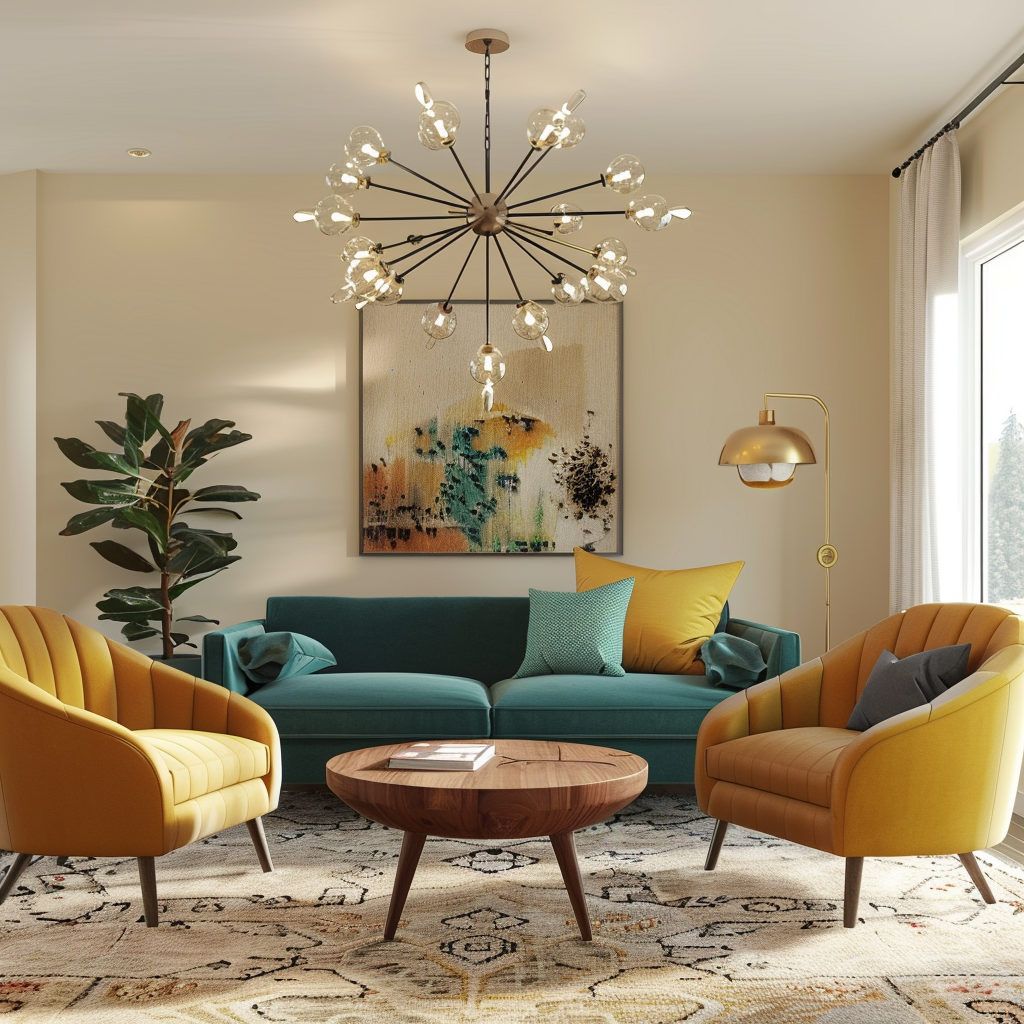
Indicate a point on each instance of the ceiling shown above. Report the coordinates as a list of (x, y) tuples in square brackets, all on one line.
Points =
[(692, 86)]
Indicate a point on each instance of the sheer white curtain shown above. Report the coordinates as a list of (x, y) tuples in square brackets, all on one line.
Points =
[(924, 406)]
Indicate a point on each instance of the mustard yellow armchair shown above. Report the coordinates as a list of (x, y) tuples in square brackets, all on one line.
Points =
[(939, 779), (106, 753)]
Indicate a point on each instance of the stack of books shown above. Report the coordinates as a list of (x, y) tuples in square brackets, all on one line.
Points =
[(438, 756)]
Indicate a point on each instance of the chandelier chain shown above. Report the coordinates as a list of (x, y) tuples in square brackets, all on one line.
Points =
[(487, 115)]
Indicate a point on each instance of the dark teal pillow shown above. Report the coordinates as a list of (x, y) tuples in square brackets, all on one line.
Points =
[(732, 662), (269, 656), (576, 633)]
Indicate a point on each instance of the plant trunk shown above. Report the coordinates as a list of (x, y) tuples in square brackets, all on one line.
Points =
[(165, 595)]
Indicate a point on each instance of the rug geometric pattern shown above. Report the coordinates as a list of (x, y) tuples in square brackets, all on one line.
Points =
[(488, 934)]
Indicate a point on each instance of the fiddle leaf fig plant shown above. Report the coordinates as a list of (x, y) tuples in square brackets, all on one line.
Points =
[(148, 494)]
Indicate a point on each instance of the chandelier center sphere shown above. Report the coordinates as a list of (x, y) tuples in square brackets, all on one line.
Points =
[(487, 216)]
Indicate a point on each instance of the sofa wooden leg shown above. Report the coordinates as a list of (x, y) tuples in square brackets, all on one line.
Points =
[(977, 876), (259, 840), (721, 827), (147, 877), (851, 897), (20, 862)]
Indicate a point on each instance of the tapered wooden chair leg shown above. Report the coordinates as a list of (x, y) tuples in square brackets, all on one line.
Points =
[(851, 897), (977, 876), (721, 827), (147, 877), (20, 862), (259, 840)]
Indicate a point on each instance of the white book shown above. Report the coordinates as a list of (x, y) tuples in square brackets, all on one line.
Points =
[(450, 757)]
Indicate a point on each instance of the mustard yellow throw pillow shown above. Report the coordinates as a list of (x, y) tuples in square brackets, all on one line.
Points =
[(671, 612)]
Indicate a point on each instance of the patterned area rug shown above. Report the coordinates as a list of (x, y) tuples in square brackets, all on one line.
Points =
[(489, 936)]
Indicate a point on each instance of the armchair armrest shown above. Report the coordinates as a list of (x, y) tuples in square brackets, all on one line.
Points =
[(58, 768), (938, 778), (218, 664)]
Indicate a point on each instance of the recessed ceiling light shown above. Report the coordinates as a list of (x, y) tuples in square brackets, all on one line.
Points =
[(139, 152)]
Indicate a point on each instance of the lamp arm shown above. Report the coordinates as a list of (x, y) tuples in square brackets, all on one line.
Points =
[(827, 554)]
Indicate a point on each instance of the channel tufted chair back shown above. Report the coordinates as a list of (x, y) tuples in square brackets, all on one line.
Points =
[(937, 779), (106, 753)]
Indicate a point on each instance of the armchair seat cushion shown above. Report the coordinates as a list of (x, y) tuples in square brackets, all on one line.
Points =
[(205, 762), (794, 763)]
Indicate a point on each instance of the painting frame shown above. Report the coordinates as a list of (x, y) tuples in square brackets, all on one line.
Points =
[(403, 386)]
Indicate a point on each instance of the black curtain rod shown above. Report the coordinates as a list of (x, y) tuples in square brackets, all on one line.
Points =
[(969, 109)]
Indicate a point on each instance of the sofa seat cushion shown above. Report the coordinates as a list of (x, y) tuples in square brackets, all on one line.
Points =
[(794, 763), (378, 705), (205, 762), (571, 707)]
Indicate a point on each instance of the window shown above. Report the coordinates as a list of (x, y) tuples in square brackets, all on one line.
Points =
[(993, 398)]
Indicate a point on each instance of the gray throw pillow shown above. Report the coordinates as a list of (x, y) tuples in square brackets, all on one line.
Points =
[(899, 684), (269, 656)]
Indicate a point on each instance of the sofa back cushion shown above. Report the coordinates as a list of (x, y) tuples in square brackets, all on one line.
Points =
[(480, 638)]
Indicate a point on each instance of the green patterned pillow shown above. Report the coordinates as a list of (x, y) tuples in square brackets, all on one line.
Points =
[(579, 634)]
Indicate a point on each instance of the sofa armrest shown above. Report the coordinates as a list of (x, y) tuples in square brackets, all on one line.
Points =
[(780, 648), (218, 665)]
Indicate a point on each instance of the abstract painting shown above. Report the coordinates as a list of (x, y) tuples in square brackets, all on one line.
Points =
[(537, 474)]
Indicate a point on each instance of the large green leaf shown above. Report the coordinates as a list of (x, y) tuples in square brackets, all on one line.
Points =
[(122, 556), (225, 511), (88, 520), (142, 418), (138, 631), (197, 618), (137, 600), (225, 492), (179, 588), (113, 430), (103, 492), (182, 640), (142, 519), (213, 540), (77, 451), (206, 566)]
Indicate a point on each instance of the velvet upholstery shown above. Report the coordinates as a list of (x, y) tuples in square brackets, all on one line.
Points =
[(936, 779), (104, 752)]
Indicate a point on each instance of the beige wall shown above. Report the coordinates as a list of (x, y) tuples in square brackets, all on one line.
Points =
[(18, 387), (203, 288)]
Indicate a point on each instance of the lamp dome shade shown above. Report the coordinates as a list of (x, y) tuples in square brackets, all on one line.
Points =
[(775, 450)]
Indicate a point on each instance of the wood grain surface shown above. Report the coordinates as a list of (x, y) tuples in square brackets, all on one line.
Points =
[(529, 788)]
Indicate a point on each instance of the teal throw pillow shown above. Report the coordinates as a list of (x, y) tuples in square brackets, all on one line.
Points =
[(576, 633), (269, 656), (732, 662)]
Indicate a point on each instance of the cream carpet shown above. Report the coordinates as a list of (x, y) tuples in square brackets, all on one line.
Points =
[(489, 936)]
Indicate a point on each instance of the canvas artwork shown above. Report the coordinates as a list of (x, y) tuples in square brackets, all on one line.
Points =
[(537, 474)]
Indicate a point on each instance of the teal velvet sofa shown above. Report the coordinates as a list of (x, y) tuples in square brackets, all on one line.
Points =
[(415, 668)]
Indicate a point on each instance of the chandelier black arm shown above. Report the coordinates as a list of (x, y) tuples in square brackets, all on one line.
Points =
[(404, 192), (515, 174), (443, 235), (543, 248), (530, 227), (512, 238), (436, 251), (431, 216), (416, 239), (529, 170), (469, 181), (465, 263), (582, 213), (429, 181), (557, 241), (560, 192), (508, 269)]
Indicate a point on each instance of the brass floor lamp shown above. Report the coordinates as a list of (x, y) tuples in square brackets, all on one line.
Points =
[(767, 456)]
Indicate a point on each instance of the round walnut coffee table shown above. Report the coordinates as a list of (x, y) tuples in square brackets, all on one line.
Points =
[(529, 788)]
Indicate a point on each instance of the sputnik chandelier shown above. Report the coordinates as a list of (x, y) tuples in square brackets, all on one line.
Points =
[(372, 277)]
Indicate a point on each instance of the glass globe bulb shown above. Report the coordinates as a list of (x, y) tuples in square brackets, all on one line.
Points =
[(423, 95), (388, 290), (681, 212), (568, 218), (438, 125), (611, 252), (334, 215), (569, 292), (767, 474), (624, 174), (358, 247), (344, 179), (649, 212), (364, 147), (346, 293), (544, 342), (571, 131), (487, 366), (530, 320), (542, 128), (439, 321), (365, 274), (607, 284), (573, 102)]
